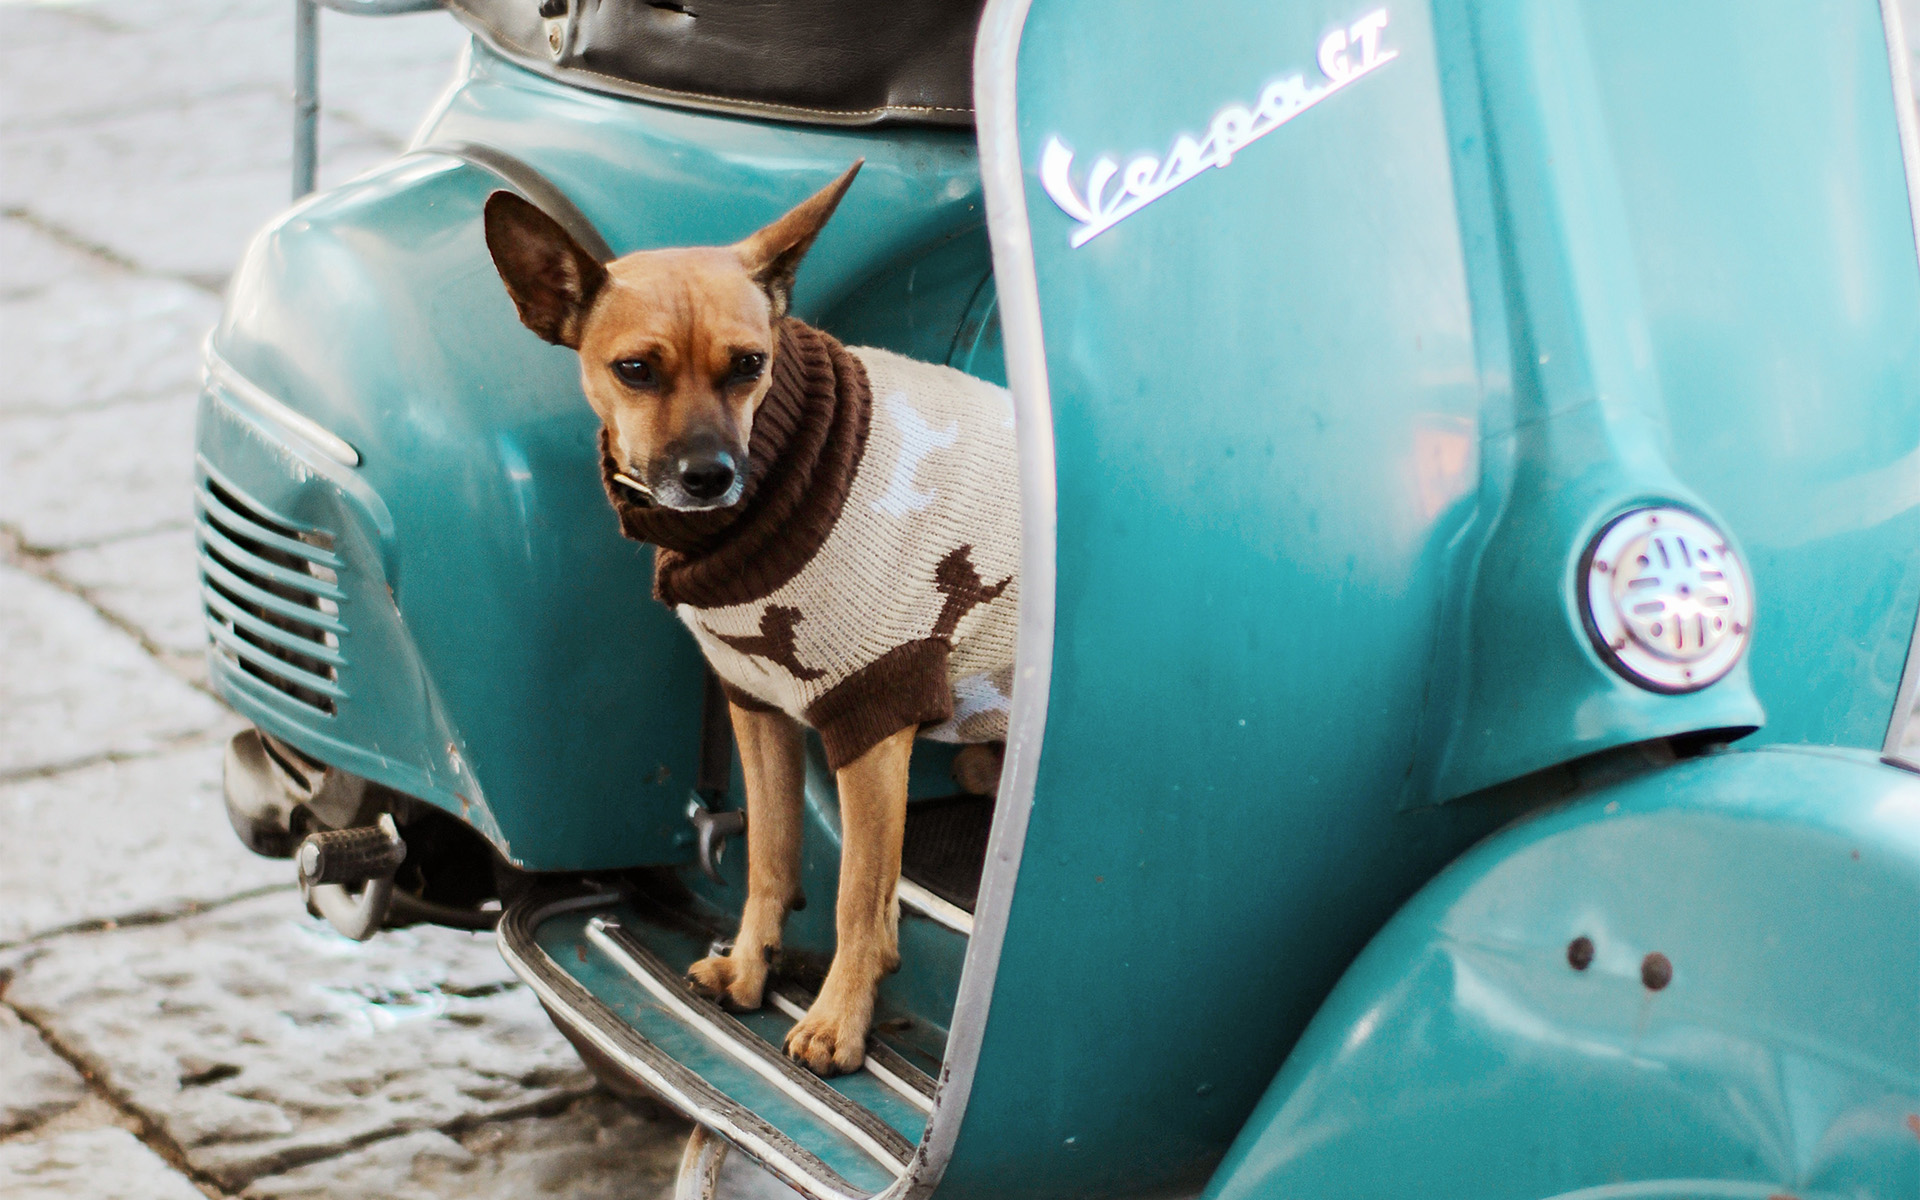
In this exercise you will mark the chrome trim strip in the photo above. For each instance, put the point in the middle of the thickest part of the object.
(592, 1021)
(882, 1061)
(1903, 699)
(881, 1142)
(995, 62)
(932, 907)
(221, 374)
(1907, 119)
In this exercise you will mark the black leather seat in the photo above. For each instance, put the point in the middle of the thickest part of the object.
(839, 62)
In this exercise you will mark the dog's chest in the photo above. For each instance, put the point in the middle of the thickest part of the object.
(924, 552)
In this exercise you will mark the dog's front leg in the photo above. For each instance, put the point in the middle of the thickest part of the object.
(832, 1037)
(772, 756)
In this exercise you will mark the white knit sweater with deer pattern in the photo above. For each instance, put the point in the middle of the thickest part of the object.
(868, 580)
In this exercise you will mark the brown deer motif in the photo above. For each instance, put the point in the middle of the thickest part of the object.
(774, 642)
(957, 579)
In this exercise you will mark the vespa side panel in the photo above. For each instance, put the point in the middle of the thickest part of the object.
(503, 655)
(1760, 171)
(1707, 280)
(1702, 981)
(1266, 396)
(1699, 982)
(1351, 353)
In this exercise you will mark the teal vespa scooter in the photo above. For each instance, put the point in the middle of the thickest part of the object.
(1470, 467)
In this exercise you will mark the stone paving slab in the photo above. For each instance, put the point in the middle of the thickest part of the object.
(86, 340)
(150, 20)
(597, 1149)
(176, 190)
(89, 1164)
(72, 686)
(40, 29)
(181, 163)
(30, 261)
(36, 1085)
(151, 582)
(381, 75)
(139, 54)
(88, 477)
(102, 68)
(124, 841)
(258, 1039)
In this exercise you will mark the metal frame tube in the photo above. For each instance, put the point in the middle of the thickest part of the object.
(306, 95)
(306, 74)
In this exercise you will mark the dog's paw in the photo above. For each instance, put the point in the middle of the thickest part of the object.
(735, 983)
(829, 1040)
(976, 768)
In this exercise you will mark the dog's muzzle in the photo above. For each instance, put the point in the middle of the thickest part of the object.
(699, 473)
(706, 476)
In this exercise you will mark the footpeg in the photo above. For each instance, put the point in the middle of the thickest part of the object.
(334, 861)
(713, 824)
(713, 830)
(351, 856)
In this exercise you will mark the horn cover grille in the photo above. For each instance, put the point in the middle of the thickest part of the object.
(1668, 601)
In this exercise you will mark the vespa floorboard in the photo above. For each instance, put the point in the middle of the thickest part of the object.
(611, 970)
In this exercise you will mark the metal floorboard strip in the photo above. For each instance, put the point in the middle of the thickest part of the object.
(883, 1062)
(586, 1016)
(858, 1124)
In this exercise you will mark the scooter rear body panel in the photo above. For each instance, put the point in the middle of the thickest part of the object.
(1335, 412)
(1695, 983)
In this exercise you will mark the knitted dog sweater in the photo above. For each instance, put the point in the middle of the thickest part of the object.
(868, 578)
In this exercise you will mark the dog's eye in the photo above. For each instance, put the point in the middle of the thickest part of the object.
(634, 372)
(748, 366)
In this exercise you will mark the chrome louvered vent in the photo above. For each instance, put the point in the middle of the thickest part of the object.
(272, 597)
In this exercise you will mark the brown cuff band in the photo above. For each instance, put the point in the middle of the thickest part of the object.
(746, 700)
(906, 686)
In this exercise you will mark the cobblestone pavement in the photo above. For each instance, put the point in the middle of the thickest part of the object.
(172, 1024)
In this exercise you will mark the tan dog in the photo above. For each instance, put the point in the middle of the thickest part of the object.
(676, 351)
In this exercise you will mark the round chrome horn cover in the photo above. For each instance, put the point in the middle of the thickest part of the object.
(1668, 601)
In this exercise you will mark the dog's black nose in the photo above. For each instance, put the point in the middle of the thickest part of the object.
(706, 476)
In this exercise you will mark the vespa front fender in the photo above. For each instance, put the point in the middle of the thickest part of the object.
(1702, 981)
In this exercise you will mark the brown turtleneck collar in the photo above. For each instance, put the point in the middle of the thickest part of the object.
(808, 435)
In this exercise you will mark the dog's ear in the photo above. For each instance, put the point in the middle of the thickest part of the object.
(551, 279)
(773, 255)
